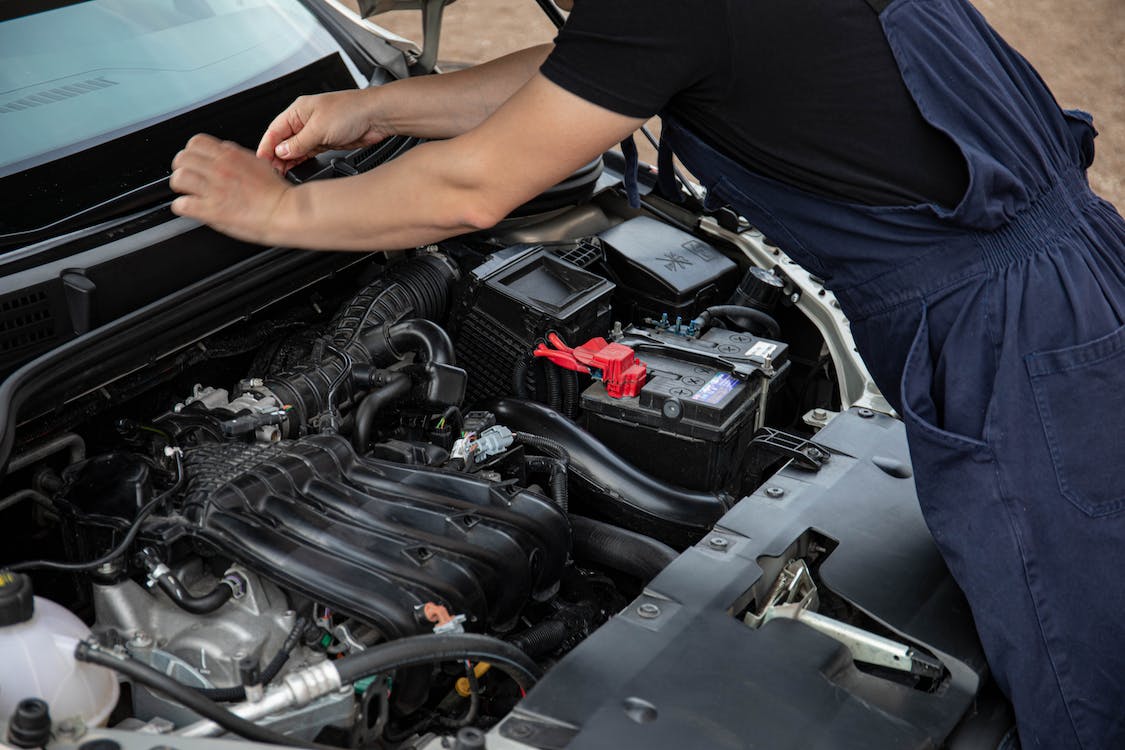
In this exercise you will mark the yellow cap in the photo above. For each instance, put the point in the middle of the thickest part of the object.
(462, 687)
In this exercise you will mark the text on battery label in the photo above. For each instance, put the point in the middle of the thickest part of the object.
(761, 350)
(717, 388)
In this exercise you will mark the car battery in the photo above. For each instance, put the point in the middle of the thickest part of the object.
(702, 400)
(511, 301)
(661, 270)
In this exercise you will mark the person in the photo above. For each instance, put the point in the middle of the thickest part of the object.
(901, 151)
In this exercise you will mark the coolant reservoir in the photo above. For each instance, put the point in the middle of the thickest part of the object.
(37, 640)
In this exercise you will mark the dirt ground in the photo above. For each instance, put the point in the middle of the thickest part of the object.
(1078, 48)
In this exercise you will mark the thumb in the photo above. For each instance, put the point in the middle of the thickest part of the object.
(292, 148)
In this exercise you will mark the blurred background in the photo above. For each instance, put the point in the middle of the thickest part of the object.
(1077, 46)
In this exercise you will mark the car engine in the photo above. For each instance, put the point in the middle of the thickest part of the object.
(508, 434)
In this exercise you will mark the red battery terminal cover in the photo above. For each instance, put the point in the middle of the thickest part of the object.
(621, 372)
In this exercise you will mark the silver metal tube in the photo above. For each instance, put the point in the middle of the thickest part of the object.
(297, 689)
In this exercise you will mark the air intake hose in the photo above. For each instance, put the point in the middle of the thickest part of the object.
(416, 288)
(624, 494)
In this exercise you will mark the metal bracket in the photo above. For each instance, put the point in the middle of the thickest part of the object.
(794, 597)
(805, 454)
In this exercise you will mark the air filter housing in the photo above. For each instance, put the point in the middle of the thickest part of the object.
(512, 300)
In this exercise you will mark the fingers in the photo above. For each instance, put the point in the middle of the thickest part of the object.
(204, 157)
(282, 139)
(277, 131)
(186, 205)
(186, 180)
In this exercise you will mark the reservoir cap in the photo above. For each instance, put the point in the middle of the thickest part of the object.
(17, 601)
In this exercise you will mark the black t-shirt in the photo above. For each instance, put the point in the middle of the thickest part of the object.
(804, 91)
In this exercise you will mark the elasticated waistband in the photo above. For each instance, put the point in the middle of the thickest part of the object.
(1036, 228)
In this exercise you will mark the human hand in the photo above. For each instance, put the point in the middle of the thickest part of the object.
(226, 187)
(314, 124)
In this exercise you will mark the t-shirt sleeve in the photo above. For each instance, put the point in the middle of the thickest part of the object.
(633, 56)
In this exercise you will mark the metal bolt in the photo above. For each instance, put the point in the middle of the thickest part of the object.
(866, 413)
(775, 492)
(820, 414)
(648, 611)
(140, 640)
(517, 730)
(795, 297)
(717, 542)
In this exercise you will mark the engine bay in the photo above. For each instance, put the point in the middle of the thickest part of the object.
(507, 435)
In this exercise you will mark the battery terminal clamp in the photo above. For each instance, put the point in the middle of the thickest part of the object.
(615, 364)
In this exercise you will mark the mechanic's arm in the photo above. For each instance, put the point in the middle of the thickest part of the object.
(437, 190)
(432, 106)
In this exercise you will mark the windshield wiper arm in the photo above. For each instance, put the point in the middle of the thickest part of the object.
(137, 199)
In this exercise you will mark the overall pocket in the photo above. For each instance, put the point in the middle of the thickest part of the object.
(920, 410)
(1080, 394)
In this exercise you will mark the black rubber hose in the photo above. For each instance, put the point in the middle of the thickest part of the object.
(143, 674)
(418, 650)
(395, 388)
(624, 493)
(204, 604)
(237, 693)
(178, 593)
(636, 555)
(542, 639)
(423, 337)
(751, 319)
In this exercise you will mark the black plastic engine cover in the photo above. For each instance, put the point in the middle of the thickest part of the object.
(374, 539)
(678, 668)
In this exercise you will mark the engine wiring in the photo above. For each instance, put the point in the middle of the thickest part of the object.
(123, 546)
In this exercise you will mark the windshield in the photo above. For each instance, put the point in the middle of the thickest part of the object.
(83, 74)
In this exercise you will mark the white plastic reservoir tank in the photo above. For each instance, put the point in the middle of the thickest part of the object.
(37, 640)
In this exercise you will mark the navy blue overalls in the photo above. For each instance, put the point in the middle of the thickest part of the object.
(995, 328)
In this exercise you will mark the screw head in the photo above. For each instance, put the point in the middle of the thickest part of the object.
(141, 640)
(648, 611)
(517, 730)
(775, 492)
(865, 413)
(819, 414)
(718, 542)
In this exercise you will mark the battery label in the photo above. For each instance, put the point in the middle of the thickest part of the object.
(717, 388)
(761, 350)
